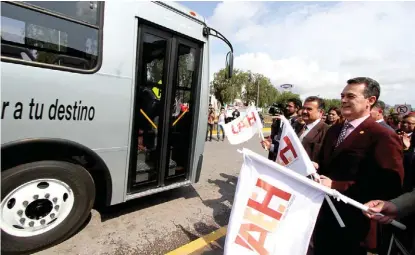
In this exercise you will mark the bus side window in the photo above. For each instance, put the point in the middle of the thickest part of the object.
(64, 35)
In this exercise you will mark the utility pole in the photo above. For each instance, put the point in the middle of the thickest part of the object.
(257, 96)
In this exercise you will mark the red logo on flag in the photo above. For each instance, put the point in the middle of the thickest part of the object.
(248, 121)
(261, 217)
(285, 160)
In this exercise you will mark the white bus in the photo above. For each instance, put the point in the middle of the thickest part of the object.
(101, 104)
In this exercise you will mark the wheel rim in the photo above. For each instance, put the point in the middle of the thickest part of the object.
(36, 207)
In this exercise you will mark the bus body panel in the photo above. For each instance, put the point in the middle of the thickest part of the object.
(107, 133)
(203, 111)
(107, 94)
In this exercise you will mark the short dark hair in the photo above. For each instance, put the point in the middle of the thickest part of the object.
(297, 102)
(320, 101)
(372, 87)
(407, 116)
(396, 118)
(380, 104)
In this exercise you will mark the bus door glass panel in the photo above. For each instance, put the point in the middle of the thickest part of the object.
(149, 105)
(180, 130)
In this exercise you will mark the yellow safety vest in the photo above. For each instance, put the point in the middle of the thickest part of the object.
(156, 91)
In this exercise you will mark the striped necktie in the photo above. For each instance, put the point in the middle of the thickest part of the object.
(342, 135)
(303, 130)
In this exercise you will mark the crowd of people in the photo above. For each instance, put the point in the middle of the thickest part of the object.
(217, 120)
(362, 155)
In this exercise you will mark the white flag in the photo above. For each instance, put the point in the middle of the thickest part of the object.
(244, 127)
(274, 211)
(291, 152)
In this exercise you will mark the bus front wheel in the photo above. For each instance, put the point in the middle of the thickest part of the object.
(43, 203)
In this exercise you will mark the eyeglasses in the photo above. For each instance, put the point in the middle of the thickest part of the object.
(407, 122)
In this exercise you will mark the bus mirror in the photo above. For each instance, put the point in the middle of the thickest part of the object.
(229, 65)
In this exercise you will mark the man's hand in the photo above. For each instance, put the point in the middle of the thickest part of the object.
(388, 209)
(315, 164)
(326, 181)
(266, 144)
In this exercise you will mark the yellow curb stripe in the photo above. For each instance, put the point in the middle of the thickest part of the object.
(199, 243)
(214, 132)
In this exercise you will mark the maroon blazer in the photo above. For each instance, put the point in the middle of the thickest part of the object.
(367, 165)
(370, 157)
(313, 141)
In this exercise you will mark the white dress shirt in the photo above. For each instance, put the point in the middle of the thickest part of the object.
(355, 123)
(308, 127)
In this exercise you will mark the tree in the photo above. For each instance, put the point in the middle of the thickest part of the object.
(226, 90)
(270, 95)
(267, 92)
(331, 103)
(283, 97)
(244, 85)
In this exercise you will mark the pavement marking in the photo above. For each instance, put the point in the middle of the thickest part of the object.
(199, 243)
(214, 132)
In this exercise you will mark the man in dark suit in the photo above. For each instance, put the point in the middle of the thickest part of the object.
(377, 114)
(313, 132)
(360, 159)
(400, 208)
(290, 112)
(406, 133)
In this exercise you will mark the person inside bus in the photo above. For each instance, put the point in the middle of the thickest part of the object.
(149, 103)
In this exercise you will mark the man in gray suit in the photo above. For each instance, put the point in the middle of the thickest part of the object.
(377, 114)
(398, 208)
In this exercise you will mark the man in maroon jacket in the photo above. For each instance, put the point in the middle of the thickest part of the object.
(360, 159)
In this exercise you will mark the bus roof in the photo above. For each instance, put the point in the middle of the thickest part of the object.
(182, 9)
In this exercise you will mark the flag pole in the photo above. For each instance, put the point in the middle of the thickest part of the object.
(362, 207)
(261, 134)
(331, 205)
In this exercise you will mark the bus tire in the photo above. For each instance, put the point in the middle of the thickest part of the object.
(43, 203)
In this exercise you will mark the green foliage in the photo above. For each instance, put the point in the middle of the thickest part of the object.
(259, 88)
(331, 103)
(226, 90)
(245, 85)
(283, 97)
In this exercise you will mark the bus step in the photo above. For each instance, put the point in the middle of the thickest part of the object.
(145, 169)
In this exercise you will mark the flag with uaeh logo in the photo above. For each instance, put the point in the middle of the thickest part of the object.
(291, 152)
(274, 211)
(244, 127)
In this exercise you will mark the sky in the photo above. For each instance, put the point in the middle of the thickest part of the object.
(317, 46)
